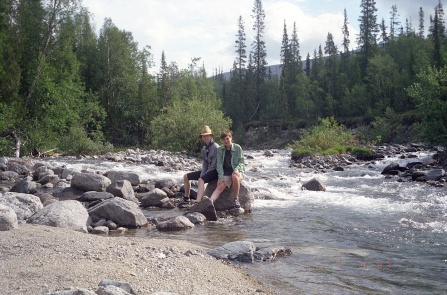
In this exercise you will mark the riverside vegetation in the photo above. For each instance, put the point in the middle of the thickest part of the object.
(65, 89)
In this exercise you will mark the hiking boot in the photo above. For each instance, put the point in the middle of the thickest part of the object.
(237, 205)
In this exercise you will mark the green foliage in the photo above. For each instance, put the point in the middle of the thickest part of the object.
(328, 137)
(178, 127)
(431, 96)
(77, 142)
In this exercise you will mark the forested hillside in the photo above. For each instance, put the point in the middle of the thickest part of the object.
(64, 88)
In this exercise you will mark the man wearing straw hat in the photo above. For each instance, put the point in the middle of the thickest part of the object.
(208, 172)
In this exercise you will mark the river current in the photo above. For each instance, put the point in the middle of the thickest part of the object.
(364, 235)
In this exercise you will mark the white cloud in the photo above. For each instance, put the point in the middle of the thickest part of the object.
(185, 29)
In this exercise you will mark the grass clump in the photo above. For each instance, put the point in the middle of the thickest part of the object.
(326, 138)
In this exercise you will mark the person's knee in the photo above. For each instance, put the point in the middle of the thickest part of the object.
(185, 178)
(201, 182)
(235, 178)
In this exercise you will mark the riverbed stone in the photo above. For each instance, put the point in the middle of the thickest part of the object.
(95, 196)
(313, 185)
(8, 218)
(435, 174)
(174, 224)
(226, 199)
(122, 189)
(68, 193)
(90, 182)
(154, 198)
(242, 251)
(122, 212)
(65, 214)
(205, 207)
(25, 205)
(25, 186)
(132, 177)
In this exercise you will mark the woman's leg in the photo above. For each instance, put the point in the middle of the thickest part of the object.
(200, 189)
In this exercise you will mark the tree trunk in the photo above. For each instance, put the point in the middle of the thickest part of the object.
(16, 136)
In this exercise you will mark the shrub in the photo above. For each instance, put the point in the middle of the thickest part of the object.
(328, 137)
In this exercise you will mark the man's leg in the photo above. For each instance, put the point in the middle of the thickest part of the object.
(236, 179)
(219, 189)
(187, 185)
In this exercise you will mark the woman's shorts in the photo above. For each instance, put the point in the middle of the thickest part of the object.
(209, 176)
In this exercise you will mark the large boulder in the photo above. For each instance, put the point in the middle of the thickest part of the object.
(133, 178)
(90, 182)
(25, 186)
(154, 198)
(122, 212)
(313, 185)
(242, 251)
(8, 218)
(205, 207)
(226, 199)
(95, 196)
(66, 214)
(68, 193)
(176, 223)
(25, 205)
(122, 189)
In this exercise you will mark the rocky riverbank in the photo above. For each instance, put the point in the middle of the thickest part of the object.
(38, 259)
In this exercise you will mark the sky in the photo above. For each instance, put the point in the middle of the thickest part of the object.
(206, 29)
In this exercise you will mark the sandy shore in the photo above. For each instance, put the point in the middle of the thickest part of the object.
(36, 259)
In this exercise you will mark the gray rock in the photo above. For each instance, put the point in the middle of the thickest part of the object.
(435, 174)
(196, 217)
(48, 179)
(90, 182)
(111, 290)
(45, 198)
(68, 193)
(313, 185)
(66, 214)
(122, 212)
(133, 178)
(122, 189)
(169, 183)
(391, 169)
(205, 207)
(176, 223)
(22, 168)
(95, 196)
(226, 199)
(9, 175)
(242, 251)
(8, 218)
(111, 225)
(154, 198)
(72, 292)
(24, 205)
(25, 186)
(68, 173)
(271, 253)
(122, 285)
(100, 230)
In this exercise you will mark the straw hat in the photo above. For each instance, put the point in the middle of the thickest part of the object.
(206, 130)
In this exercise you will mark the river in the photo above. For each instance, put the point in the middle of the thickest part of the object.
(364, 235)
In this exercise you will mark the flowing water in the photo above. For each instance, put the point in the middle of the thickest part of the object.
(364, 235)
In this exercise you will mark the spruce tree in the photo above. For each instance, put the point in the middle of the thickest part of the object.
(345, 32)
(421, 23)
(394, 22)
(367, 38)
(259, 52)
(241, 57)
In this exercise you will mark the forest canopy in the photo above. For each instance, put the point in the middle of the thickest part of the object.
(65, 87)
